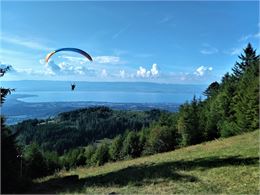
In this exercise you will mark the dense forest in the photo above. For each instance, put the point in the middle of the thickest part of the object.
(82, 127)
(78, 138)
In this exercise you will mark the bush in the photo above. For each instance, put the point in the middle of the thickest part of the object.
(89, 152)
(162, 139)
(101, 155)
(52, 162)
(73, 158)
(36, 165)
(228, 129)
(132, 146)
(115, 149)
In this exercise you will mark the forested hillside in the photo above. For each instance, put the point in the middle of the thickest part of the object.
(82, 127)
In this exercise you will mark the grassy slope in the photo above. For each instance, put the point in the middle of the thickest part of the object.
(222, 166)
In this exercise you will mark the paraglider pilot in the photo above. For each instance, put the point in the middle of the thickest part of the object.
(73, 86)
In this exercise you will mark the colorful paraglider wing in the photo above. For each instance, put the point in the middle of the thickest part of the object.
(69, 49)
(49, 55)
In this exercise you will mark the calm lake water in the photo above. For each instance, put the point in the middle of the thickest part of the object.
(53, 91)
(106, 96)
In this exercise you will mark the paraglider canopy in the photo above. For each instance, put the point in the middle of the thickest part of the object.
(69, 49)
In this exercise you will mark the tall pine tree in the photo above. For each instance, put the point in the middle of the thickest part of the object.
(247, 98)
(247, 59)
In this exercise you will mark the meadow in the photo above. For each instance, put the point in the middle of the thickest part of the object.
(222, 166)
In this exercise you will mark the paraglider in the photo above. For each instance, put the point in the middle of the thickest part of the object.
(69, 49)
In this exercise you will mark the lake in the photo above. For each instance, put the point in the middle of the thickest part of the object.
(114, 92)
(44, 99)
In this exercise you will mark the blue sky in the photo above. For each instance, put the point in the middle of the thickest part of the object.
(166, 42)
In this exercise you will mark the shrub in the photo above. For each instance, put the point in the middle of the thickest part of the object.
(162, 139)
(131, 145)
(228, 129)
(115, 149)
(89, 152)
(101, 155)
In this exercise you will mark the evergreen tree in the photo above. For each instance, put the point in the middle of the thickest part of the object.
(36, 165)
(10, 163)
(115, 149)
(224, 106)
(247, 98)
(162, 139)
(212, 89)
(89, 152)
(247, 58)
(188, 123)
(52, 161)
(101, 155)
(131, 145)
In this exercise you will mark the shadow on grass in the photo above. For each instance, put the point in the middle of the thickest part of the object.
(141, 174)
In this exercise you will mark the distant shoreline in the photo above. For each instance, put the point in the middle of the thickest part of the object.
(16, 110)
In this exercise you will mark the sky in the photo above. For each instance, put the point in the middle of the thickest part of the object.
(190, 42)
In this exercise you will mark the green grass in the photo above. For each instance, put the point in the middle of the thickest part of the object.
(224, 166)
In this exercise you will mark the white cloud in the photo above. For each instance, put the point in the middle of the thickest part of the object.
(204, 75)
(249, 36)
(122, 73)
(63, 68)
(29, 43)
(79, 60)
(107, 59)
(181, 76)
(104, 73)
(202, 70)
(207, 50)
(51, 68)
(143, 73)
(26, 71)
(97, 59)
(257, 35)
(20, 71)
(42, 61)
(154, 70)
(234, 51)
(148, 73)
(72, 65)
